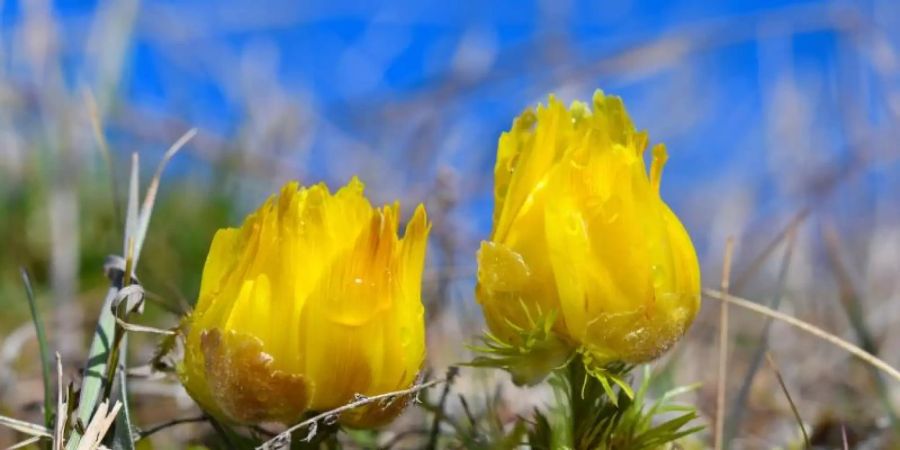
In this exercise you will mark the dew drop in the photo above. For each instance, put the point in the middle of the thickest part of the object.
(573, 224)
(611, 208)
(658, 275)
(405, 336)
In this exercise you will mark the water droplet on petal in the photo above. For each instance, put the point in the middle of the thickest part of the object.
(658, 275)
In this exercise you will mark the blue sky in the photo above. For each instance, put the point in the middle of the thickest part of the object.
(750, 96)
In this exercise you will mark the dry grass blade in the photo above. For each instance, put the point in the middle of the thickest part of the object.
(790, 399)
(142, 434)
(867, 357)
(851, 302)
(25, 427)
(131, 215)
(25, 443)
(757, 262)
(135, 328)
(150, 198)
(97, 129)
(59, 428)
(723, 346)
(98, 426)
(734, 420)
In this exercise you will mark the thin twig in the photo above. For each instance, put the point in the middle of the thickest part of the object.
(25, 443)
(25, 427)
(850, 300)
(62, 408)
(285, 435)
(790, 400)
(135, 328)
(734, 420)
(795, 222)
(807, 327)
(723, 345)
(142, 434)
(150, 198)
(439, 414)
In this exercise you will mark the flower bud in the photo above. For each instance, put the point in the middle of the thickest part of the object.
(580, 231)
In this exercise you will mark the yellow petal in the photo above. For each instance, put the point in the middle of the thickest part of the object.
(314, 292)
(581, 230)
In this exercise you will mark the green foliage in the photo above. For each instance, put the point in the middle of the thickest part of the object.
(595, 420)
(481, 429)
(536, 351)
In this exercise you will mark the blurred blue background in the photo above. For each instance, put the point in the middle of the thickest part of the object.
(765, 97)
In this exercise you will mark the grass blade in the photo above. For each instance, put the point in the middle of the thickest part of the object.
(143, 221)
(851, 302)
(25, 427)
(123, 434)
(25, 443)
(95, 370)
(723, 348)
(854, 350)
(131, 214)
(97, 128)
(734, 420)
(94, 383)
(42, 348)
(790, 399)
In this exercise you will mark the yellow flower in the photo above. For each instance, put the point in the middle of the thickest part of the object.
(580, 231)
(315, 299)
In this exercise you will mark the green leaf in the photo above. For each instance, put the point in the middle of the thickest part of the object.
(96, 368)
(49, 397)
(534, 354)
(604, 413)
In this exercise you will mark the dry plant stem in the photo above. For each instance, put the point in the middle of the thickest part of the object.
(98, 426)
(851, 303)
(439, 414)
(807, 327)
(723, 346)
(757, 262)
(97, 128)
(150, 199)
(25, 427)
(135, 328)
(734, 420)
(162, 426)
(59, 428)
(285, 436)
(790, 399)
(25, 443)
